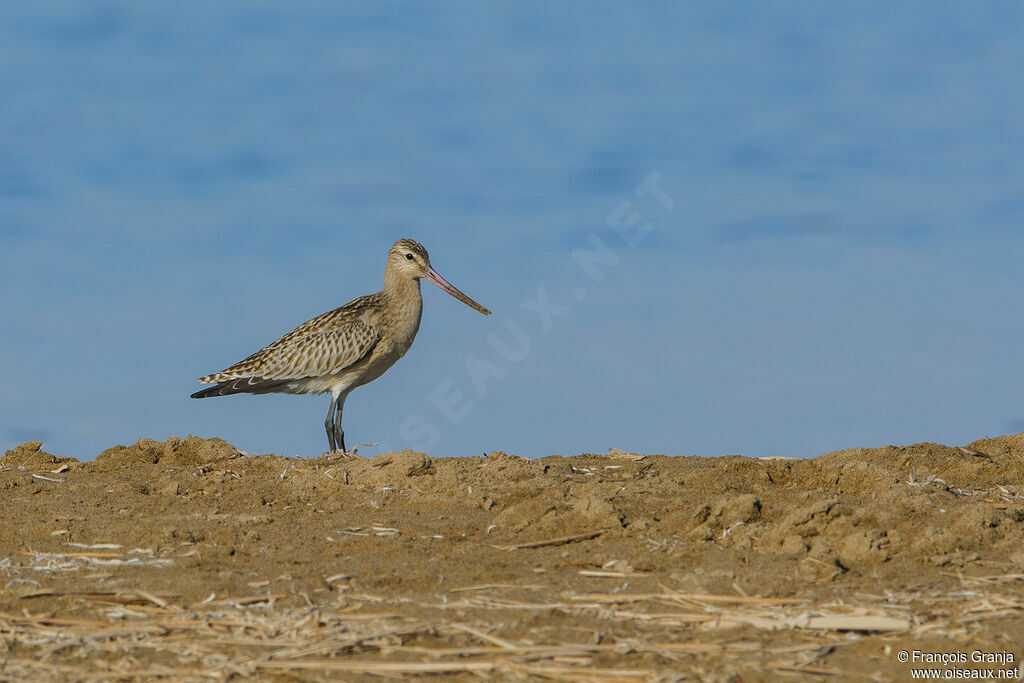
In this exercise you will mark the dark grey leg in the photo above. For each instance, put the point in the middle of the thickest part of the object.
(329, 424)
(339, 435)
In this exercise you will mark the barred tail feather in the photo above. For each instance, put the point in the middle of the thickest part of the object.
(243, 385)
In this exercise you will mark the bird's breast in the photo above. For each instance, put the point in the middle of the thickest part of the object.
(397, 335)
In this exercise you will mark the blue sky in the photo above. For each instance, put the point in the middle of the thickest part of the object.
(181, 185)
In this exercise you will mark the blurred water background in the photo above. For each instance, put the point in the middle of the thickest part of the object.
(841, 265)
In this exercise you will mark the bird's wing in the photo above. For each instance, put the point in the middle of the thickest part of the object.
(309, 351)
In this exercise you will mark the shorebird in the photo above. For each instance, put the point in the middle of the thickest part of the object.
(344, 348)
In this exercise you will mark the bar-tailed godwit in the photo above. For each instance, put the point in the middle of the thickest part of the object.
(344, 348)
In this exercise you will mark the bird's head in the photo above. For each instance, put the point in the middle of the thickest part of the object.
(408, 259)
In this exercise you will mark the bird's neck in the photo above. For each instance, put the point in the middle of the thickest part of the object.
(403, 296)
(400, 287)
(404, 306)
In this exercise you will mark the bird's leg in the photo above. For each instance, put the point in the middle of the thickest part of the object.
(339, 434)
(329, 424)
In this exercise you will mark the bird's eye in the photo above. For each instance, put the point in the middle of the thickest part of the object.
(409, 256)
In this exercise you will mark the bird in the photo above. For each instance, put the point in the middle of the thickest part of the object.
(345, 348)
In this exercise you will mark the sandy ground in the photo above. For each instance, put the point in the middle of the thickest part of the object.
(187, 560)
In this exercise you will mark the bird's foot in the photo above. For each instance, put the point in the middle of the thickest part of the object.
(340, 454)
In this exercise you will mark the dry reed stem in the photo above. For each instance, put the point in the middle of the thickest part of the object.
(259, 636)
(552, 542)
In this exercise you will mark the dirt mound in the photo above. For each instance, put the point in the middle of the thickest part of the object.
(174, 451)
(175, 558)
(30, 455)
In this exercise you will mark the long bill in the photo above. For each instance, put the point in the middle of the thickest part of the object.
(434, 277)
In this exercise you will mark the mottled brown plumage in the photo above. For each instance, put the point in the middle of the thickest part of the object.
(344, 348)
